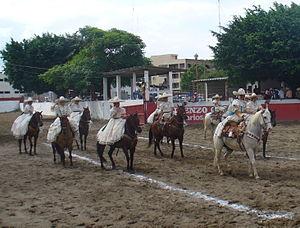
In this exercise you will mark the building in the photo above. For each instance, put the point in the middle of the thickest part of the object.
(7, 92)
(171, 61)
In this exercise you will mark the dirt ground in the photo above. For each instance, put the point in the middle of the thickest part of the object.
(35, 192)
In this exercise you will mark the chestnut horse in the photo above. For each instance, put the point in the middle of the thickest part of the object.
(84, 125)
(64, 141)
(172, 129)
(127, 142)
(33, 131)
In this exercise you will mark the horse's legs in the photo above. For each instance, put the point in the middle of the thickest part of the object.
(20, 145)
(77, 144)
(70, 155)
(127, 157)
(110, 152)
(264, 139)
(34, 144)
(24, 141)
(31, 145)
(173, 147)
(85, 137)
(180, 146)
(158, 146)
(218, 150)
(205, 128)
(132, 150)
(80, 136)
(62, 155)
(251, 157)
(54, 152)
(100, 150)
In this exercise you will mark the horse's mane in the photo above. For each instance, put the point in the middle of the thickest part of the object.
(255, 117)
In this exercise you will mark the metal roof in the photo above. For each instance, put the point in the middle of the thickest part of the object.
(139, 71)
(211, 79)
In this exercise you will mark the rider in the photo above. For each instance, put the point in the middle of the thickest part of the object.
(61, 109)
(235, 112)
(252, 106)
(164, 109)
(217, 108)
(77, 110)
(20, 125)
(114, 130)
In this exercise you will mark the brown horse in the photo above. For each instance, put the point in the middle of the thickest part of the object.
(84, 127)
(33, 131)
(64, 141)
(127, 142)
(173, 129)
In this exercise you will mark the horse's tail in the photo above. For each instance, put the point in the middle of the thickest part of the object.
(150, 137)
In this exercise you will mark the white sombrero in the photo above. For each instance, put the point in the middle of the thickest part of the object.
(247, 96)
(217, 96)
(62, 99)
(240, 92)
(76, 98)
(115, 100)
(164, 95)
(29, 99)
(253, 95)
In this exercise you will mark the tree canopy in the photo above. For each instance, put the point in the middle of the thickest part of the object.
(76, 62)
(261, 45)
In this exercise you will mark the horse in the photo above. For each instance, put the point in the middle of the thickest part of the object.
(266, 133)
(84, 127)
(34, 125)
(127, 142)
(64, 141)
(211, 121)
(249, 141)
(172, 129)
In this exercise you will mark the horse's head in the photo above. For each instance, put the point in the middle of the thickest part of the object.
(181, 113)
(86, 114)
(266, 119)
(133, 122)
(38, 118)
(64, 123)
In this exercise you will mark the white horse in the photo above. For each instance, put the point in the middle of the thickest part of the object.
(250, 140)
(210, 123)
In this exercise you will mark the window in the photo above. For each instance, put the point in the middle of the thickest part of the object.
(175, 85)
(175, 76)
(181, 66)
(17, 91)
(7, 92)
(1, 79)
(6, 79)
(173, 66)
(1, 92)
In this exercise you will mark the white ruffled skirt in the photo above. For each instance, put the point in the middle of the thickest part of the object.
(20, 125)
(112, 132)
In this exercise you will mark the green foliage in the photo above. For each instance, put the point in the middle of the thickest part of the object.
(24, 61)
(261, 45)
(71, 61)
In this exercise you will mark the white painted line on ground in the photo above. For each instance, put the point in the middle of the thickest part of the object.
(210, 148)
(268, 215)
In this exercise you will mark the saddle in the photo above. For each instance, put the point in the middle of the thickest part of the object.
(234, 130)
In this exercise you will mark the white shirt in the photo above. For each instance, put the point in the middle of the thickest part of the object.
(165, 107)
(117, 112)
(62, 110)
(28, 109)
(76, 107)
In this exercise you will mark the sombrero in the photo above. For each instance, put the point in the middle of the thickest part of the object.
(115, 100)
(164, 95)
(29, 99)
(76, 98)
(240, 92)
(217, 96)
(253, 95)
(62, 99)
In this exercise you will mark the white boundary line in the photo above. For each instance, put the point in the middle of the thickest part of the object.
(210, 148)
(268, 215)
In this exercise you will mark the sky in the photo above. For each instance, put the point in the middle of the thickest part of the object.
(180, 27)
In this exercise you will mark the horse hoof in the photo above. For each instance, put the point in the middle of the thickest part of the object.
(221, 173)
(257, 177)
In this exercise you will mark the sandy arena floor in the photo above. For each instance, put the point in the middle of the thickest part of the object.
(35, 192)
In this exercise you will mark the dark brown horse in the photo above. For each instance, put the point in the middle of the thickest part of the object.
(127, 142)
(173, 129)
(84, 125)
(64, 141)
(266, 133)
(33, 131)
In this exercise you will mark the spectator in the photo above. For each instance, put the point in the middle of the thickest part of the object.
(298, 93)
(267, 95)
(281, 93)
(289, 93)
(256, 90)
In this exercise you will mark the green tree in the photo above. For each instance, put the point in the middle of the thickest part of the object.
(24, 61)
(102, 51)
(261, 45)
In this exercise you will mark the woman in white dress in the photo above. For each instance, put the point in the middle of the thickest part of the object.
(164, 108)
(76, 111)
(61, 109)
(20, 125)
(114, 130)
